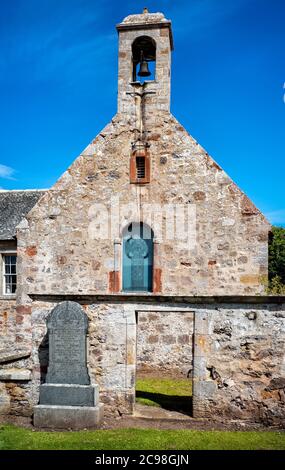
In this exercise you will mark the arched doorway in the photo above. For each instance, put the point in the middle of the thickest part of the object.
(137, 258)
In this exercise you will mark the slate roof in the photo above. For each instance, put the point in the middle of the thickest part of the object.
(14, 205)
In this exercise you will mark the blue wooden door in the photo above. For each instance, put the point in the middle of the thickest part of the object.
(137, 259)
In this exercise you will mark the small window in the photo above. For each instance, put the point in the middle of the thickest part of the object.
(140, 165)
(9, 274)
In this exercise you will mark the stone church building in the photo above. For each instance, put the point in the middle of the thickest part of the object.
(161, 250)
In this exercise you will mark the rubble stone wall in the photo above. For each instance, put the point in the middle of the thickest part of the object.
(8, 321)
(239, 364)
(15, 365)
(239, 356)
(165, 343)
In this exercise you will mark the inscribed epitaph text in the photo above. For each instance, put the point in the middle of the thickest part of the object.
(67, 329)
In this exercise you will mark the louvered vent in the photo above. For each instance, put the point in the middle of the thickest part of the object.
(140, 162)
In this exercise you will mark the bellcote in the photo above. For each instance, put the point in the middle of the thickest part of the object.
(145, 44)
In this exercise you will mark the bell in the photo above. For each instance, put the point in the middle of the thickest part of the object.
(144, 71)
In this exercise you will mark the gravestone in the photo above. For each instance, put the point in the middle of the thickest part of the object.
(67, 330)
(67, 399)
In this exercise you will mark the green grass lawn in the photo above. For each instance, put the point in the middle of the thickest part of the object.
(172, 394)
(166, 393)
(15, 438)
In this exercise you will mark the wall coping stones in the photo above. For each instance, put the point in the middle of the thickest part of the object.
(150, 298)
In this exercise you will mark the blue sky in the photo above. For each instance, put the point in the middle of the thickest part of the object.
(58, 85)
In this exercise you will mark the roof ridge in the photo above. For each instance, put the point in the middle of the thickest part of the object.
(21, 190)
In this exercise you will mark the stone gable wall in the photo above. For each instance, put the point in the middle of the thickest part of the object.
(58, 252)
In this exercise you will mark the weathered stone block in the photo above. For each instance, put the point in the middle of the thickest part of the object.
(14, 374)
(204, 389)
(68, 417)
(4, 400)
(7, 356)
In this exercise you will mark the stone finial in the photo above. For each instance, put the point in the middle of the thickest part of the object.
(144, 18)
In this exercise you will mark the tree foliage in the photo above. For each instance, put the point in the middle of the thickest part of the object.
(277, 261)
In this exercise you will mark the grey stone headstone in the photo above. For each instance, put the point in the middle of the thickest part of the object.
(67, 329)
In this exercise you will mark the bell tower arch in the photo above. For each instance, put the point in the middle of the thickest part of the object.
(145, 45)
(144, 58)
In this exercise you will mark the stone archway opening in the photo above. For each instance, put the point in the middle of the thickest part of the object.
(164, 363)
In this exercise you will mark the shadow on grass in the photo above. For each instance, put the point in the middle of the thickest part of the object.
(182, 404)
